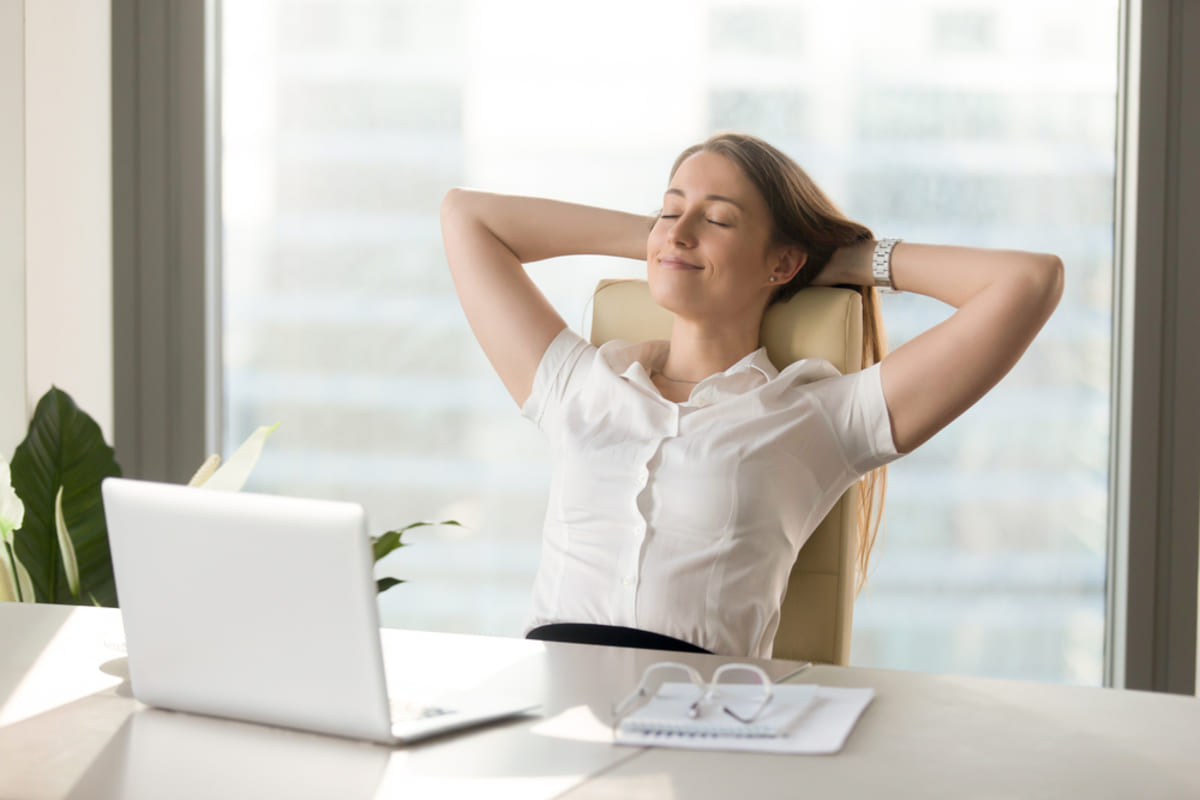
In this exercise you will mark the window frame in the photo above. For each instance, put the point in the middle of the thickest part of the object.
(166, 236)
(1155, 452)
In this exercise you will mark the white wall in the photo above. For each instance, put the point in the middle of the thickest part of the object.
(67, 204)
(12, 226)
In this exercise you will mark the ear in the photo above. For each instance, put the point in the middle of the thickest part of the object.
(788, 261)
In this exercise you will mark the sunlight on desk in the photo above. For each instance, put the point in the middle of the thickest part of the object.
(158, 754)
(502, 761)
(55, 677)
(579, 724)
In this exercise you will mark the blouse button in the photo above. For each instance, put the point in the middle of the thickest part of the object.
(628, 580)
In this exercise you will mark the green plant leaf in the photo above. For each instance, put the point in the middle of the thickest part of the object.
(382, 545)
(387, 542)
(64, 447)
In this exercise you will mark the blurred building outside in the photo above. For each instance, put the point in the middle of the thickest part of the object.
(986, 123)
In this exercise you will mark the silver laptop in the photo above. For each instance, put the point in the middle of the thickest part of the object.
(263, 608)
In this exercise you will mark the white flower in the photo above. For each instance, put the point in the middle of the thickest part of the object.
(232, 475)
(8, 584)
(14, 578)
(12, 510)
(206, 470)
(65, 546)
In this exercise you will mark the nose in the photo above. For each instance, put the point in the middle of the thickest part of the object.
(682, 231)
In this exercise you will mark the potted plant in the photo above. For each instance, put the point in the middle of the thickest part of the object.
(53, 536)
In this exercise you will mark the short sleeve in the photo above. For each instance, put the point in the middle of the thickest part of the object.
(855, 407)
(553, 376)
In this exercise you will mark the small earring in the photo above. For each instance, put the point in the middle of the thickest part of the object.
(772, 279)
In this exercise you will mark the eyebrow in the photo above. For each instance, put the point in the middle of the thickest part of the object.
(722, 198)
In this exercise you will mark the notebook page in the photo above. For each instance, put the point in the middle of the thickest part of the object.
(821, 727)
(667, 711)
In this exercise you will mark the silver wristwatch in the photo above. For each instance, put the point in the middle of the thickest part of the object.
(881, 264)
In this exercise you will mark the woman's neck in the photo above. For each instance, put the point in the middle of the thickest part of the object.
(700, 351)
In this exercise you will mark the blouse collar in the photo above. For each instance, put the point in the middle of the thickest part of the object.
(635, 361)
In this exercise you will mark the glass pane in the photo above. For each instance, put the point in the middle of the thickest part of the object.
(989, 123)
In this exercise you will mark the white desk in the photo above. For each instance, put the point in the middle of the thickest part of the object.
(68, 728)
(928, 736)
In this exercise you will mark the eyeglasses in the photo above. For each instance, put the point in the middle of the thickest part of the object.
(743, 706)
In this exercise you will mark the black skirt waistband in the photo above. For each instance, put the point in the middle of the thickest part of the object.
(616, 635)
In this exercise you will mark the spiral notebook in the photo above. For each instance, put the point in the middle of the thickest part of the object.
(799, 719)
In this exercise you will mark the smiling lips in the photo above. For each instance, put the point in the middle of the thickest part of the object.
(675, 262)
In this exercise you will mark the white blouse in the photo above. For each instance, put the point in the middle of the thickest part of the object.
(685, 518)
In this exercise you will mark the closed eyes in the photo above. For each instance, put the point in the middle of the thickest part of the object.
(710, 221)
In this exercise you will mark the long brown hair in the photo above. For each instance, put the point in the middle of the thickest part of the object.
(805, 217)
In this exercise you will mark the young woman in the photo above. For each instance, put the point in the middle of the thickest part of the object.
(689, 473)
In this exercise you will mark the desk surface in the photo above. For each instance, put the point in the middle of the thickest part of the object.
(69, 728)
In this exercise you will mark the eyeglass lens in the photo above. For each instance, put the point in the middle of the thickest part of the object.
(742, 690)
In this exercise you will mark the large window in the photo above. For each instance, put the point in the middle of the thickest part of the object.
(988, 123)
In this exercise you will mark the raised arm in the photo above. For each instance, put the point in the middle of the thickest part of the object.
(1003, 297)
(487, 239)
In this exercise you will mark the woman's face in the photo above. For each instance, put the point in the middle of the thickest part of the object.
(709, 255)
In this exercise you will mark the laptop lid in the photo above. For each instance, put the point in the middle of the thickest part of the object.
(249, 606)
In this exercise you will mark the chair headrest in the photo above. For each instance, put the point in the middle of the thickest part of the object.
(818, 322)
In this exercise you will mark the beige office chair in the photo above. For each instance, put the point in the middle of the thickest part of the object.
(819, 322)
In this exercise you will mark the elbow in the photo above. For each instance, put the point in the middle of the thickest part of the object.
(1053, 277)
(1042, 279)
(461, 212)
(453, 204)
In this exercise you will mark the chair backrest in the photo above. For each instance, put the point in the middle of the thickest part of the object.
(819, 322)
